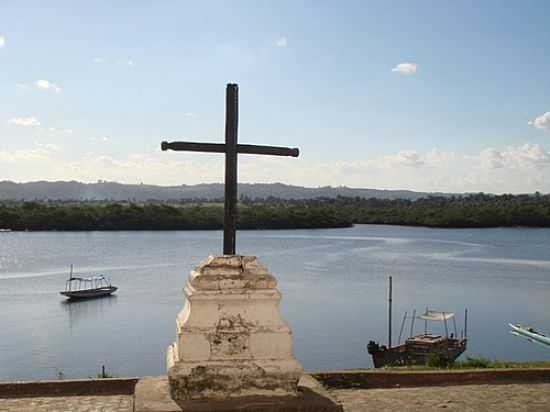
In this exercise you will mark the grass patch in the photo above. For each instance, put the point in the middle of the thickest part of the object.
(436, 362)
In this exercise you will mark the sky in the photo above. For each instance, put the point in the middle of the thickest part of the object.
(439, 95)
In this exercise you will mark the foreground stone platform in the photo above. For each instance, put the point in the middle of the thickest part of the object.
(529, 392)
(463, 398)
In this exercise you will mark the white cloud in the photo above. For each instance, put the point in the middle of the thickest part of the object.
(2, 41)
(126, 62)
(101, 139)
(30, 121)
(47, 85)
(48, 147)
(405, 68)
(281, 42)
(408, 158)
(40, 153)
(98, 60)
(542, 121)
(527, 156)
(190, 114)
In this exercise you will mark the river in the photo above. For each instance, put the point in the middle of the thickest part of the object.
(334, 285)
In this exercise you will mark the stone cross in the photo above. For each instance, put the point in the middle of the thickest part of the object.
(231, 149)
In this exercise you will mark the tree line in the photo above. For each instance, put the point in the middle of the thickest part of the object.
(38, 215)
(468, 211)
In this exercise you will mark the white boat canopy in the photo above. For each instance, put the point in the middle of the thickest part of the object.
(435, 315)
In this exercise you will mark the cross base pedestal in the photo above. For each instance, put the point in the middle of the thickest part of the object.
(231, 341)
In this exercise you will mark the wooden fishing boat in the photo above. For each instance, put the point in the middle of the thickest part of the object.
(417, 348)
(530, 334)
(87, 287)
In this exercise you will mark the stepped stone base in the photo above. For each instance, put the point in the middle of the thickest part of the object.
(231, 341)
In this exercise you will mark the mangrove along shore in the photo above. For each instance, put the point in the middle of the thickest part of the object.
(472, 211)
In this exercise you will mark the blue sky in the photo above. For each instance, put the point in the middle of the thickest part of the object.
(424, 95)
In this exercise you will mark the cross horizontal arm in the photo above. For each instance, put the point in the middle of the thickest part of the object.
(268, 150)
(220, 148)
(193, 147)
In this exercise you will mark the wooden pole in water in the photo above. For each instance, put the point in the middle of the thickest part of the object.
(389, 315)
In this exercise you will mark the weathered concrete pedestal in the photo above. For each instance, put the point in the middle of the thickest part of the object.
(231, 341)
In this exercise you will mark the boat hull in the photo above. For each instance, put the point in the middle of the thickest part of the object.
(530, 334)
(89, 293)
(415, 353)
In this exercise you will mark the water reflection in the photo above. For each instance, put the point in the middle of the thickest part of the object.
(88, 310)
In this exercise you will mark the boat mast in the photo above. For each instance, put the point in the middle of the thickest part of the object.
(389, 314)
(426, 323)
(466, 323)
(401, 330)
(412, 322)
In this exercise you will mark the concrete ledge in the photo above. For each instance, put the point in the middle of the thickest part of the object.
(69, 387)
(371, 379)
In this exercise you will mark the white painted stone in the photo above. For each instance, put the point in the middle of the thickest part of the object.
(231, 340)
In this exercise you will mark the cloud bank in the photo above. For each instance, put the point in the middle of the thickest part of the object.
(513, 169)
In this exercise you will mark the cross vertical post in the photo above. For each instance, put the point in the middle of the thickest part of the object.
(231, 148)
(230, 200)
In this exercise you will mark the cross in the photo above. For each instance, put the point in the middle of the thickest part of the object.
(231, 148)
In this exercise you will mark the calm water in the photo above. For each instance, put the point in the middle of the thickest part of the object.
(334, 285)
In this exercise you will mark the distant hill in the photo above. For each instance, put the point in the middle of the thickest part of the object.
(117, 191)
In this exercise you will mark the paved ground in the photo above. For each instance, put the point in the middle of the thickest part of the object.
(117, 403)
(486, 398)
(502, 398)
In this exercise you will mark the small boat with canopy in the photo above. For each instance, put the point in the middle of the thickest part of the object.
(87, 287)
(417, 348)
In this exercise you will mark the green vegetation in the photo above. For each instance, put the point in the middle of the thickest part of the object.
(472, 211)
(484, 363)
(160, 216)
(440, 361)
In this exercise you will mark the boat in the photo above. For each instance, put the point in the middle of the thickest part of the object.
(87, 287)
(418, 348)
(530, 334)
